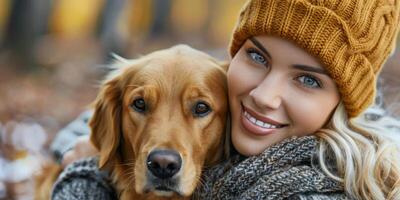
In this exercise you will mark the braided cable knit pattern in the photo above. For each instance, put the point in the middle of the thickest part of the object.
(282, 171)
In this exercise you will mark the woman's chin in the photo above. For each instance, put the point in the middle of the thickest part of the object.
(246, 146)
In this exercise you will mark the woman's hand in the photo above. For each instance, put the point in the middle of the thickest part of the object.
(82, 149)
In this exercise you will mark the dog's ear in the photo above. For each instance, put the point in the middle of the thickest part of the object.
(106, 121)
(224, 65)
(222, 150)
(216, 157)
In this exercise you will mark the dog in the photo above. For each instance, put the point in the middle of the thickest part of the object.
(159, 121)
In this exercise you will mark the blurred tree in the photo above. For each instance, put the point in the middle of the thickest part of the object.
(27, 22)
(4, 14)
(107, 28)
(161, 12)
(75, 19)
(221, 20)
(189, 17)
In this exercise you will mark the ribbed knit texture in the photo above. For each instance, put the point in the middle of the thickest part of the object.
(285, 170)
(82, 180)
(351, 38)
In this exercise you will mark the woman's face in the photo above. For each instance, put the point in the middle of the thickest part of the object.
(276, 90)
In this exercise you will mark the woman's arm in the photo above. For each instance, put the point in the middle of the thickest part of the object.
(83, 180)
(72, 142)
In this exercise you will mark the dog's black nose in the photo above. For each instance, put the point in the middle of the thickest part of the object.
(164, 163)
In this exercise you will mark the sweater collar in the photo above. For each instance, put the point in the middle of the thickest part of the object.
(284, 169)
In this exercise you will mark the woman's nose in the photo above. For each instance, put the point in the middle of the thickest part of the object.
(267, 95)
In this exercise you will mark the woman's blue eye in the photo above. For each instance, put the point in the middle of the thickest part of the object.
(309, 81)
(257, 57)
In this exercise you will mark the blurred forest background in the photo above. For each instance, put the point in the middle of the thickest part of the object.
(53, 53)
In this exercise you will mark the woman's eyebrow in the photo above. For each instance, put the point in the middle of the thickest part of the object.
(301, 67)
(311, 69)
(260, 46)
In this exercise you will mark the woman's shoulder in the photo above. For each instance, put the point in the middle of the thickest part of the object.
(83, 180)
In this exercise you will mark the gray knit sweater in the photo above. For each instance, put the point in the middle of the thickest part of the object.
(83, 180)
(287, 170)
(283, 171)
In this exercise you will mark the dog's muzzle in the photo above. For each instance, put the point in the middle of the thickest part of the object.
(163, 167)
(164, 164)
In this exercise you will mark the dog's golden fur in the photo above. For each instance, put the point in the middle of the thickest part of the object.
(171, 82)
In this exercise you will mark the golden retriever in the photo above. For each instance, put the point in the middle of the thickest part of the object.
(159, 120)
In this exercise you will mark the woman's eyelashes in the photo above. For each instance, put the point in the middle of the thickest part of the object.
(305, 80)
(309, 81)
(256, 56)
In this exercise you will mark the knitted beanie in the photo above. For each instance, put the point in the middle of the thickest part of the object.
(351, 38)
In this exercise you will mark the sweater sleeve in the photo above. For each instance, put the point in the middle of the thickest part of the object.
(83, 180)
(67, 137)
(81, 188)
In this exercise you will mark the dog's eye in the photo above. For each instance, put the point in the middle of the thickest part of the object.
(139, 105)
(201, 109)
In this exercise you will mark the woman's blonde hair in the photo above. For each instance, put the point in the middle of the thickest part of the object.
(365, 154)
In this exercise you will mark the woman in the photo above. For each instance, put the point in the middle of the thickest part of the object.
(301, 76)
(309, 68)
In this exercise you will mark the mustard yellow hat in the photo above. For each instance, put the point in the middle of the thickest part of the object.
(351, 38)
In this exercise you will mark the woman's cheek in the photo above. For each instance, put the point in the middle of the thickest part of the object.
(308, 113)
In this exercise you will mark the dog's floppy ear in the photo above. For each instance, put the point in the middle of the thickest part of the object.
(224, 65)
(106, 121)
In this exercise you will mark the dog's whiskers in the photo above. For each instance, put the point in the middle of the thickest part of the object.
(131, 177)
(202, 185)
(199, 182)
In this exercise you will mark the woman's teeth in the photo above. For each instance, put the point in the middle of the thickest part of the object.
(258, 122)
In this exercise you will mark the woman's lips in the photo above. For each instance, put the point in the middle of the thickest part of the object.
(255, 125)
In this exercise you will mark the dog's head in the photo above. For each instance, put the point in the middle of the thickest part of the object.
(160, 119)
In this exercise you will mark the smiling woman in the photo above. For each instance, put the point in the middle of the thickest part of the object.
(302, 75)
(276, 90)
